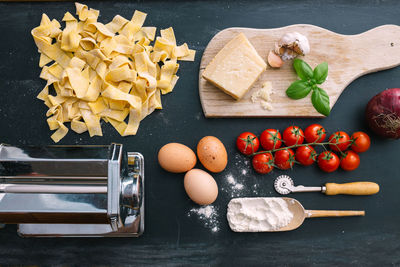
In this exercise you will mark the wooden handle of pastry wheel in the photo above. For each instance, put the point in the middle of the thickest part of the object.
(333, 213)
(356, 188)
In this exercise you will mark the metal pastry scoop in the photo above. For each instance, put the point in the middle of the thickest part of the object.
(285, 185)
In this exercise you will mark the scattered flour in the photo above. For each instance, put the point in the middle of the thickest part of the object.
(206, 212)
(230, 179)
(208, 215)
(238, 187)
(234, 182)
(255, 189)
(198, 116)
(234, 186)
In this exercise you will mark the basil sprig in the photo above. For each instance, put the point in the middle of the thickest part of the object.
(309, 79)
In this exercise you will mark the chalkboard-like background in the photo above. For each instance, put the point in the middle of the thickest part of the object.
(171, 237)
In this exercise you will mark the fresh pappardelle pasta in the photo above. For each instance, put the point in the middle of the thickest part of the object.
(115, 71)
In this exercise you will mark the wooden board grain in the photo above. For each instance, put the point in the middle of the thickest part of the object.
(348, 57)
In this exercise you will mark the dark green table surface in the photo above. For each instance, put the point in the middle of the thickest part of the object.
(171, 237)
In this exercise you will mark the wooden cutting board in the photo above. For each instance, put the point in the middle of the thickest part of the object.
(348, 57)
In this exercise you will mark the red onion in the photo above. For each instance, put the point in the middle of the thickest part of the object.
(383, 113)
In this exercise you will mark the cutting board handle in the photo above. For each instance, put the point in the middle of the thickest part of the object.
(374, 50)
(356, 188)
(333, 213)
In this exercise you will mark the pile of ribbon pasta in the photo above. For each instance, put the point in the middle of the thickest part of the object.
(104, 71)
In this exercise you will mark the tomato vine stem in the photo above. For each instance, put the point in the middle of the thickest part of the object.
(299, 145)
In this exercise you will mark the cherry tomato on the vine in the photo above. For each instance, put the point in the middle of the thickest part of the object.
(270, 139)
(340, 141)
(328, 161)
(263, 163)
(360, 142)
(350, 162)
(293, 135)
(306, 155)
(247, 143)
(284, 159)
(315, 133)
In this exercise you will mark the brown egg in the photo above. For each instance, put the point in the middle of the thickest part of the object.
(200, 187)
(212, 154)
(177, 158)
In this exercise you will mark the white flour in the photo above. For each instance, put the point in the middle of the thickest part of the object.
(258, 214)
(238, 187)
(208, 216)
(234, 187)
(255, 189)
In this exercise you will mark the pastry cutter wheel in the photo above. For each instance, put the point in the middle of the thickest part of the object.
(285, 185)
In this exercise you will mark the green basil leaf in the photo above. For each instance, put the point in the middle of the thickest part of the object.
(320, 73)
(298, 89)
(303, 70)
(320, 101)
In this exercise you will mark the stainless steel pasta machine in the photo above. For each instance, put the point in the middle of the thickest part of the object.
(72, 190)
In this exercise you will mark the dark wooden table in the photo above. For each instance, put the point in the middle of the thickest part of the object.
(171, 237)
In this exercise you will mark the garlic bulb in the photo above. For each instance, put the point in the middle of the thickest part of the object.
(291, 45)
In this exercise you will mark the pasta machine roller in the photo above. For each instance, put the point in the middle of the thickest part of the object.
(72, 190)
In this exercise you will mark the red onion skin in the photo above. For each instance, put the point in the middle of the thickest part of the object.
(383, 113)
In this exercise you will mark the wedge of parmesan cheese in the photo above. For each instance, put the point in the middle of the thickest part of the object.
(236, 67)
